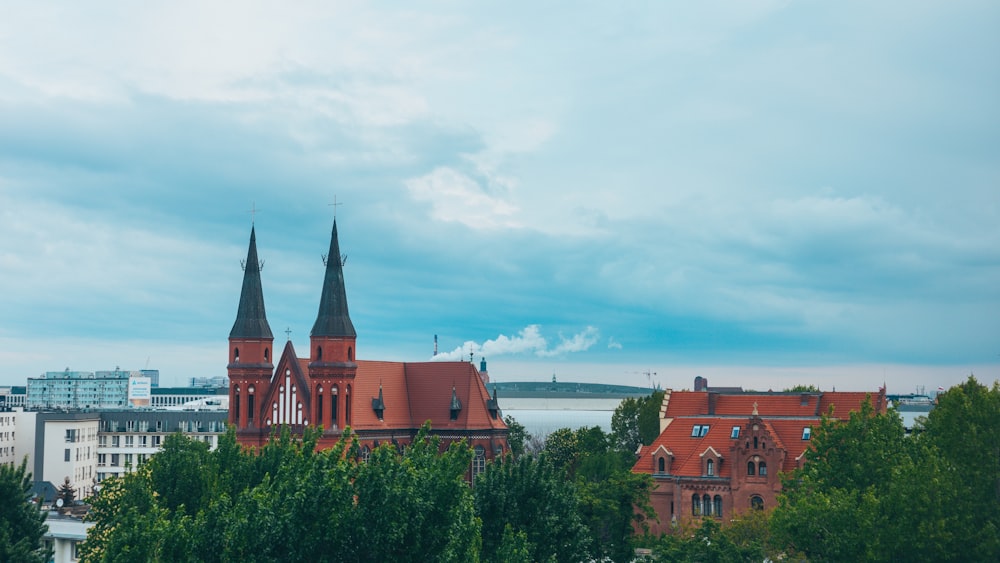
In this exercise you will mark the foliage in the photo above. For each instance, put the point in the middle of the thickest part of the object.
(866, 492)
(22, 523)
(67, 493)
(708, 543)
(517, 436)
(612, 499)
(289, 502)
(527, 504)
(962, 433)
(803, 389)
(636, 421)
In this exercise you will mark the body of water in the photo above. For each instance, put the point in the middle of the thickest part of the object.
(541, 423)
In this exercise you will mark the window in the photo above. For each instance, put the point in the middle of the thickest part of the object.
(156, 441)
(75, 555)
(66, 455)
(735, 433)
(103, 441)
(115, 441)
(762, 468)
(806, 433)
(102, 460)
(143, 441)
(699, 430)
(661, 465)
(250, 408)
(115, 460)
(478, 462)
(706, 505)
(710, 468)
(756, 502)
(366, 453)
(696, 505)
(755, 442)
(751, 468)
(129, 441)
(717, 501)
(319, 407)
(128, 460)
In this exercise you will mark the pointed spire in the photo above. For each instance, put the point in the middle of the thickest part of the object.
(333, 319)
(251, 320)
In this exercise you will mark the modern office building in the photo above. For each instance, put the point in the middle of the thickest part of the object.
(87, 390)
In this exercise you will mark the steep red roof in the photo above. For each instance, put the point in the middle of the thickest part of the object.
(785, 415)
(414, 393)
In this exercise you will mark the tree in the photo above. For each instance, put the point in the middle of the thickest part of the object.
(636, 421)
(962, 434)
(517, 436)
(289, 502)
(22, 523)
(527, 504)
(66, 493)
(803, 389)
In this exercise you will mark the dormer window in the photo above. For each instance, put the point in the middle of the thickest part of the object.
(378, 405)
(710, 468)
(806, 433)
(699, 430)
(456, 404)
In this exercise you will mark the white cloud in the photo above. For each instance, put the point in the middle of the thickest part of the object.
(454, 197)
(528, 341)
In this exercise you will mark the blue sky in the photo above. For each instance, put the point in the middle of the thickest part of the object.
(765, 193)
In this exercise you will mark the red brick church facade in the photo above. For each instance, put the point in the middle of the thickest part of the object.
(382, 402)
(720, 453)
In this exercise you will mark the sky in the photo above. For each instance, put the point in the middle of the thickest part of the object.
(762, 193)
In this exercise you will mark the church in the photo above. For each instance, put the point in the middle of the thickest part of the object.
(382, 402)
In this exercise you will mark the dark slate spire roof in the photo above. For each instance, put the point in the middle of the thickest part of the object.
(251, 321)
(333, 319)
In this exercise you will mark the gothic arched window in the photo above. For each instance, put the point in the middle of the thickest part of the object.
(751, 468)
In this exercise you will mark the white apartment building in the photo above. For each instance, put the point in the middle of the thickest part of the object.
(127, 439)
(8, 432)
(59, 445)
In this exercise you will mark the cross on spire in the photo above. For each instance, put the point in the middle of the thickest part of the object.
(288, 333)
(253, 211)
(334, 206)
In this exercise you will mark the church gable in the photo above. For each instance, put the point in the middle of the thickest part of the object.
(287, 401)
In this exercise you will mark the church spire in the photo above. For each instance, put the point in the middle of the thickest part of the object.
(251, 320)
(333, 319)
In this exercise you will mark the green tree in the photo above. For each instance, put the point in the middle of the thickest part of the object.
(803, 389)
(962, 435)
(636, 421)
(527, 503)
(289, 502)
(22, 523)
(517, 436)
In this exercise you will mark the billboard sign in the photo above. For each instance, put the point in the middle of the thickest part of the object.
(139, 391)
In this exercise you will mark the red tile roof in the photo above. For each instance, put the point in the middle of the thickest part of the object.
(783, 414)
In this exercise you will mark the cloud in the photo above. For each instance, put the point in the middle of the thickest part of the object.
(455, 197)
(528, 341)
(614, 344)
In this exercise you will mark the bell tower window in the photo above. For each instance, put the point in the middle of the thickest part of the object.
(319, 353)
(236, 355)
(266, 355)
